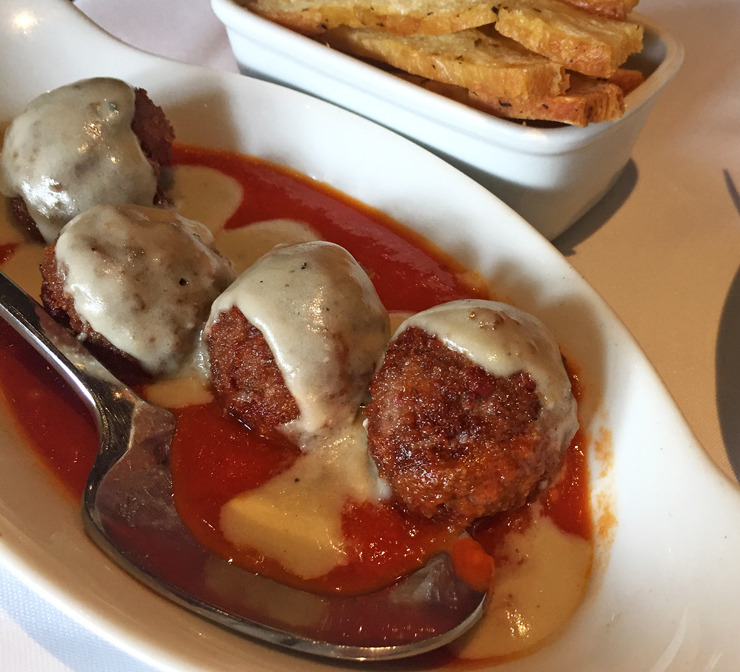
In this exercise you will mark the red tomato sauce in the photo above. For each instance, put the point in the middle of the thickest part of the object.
(214, 458)
(53, 418)
(407, 271)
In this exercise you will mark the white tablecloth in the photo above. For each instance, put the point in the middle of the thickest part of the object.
(663, 249)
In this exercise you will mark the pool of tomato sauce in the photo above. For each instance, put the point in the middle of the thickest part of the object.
(215, 458)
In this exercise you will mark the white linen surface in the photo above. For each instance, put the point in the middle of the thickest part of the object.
(183, 30)
(36, 637)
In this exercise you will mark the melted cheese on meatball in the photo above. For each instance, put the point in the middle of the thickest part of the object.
(73, 148)
(327, 330)
(504, 340)
(144, 278)
(324, 323)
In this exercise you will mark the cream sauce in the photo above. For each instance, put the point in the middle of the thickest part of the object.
(73, 148)
(296, 518)
(533, 595)
(243, 246)
(144, 278)
(324, 323)
(205, 195)
(188, 388)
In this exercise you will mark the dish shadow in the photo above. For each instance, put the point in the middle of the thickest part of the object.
(727, 359)
(600, 213)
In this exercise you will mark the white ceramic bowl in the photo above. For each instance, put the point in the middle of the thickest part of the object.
(549, 176)
(663, 596)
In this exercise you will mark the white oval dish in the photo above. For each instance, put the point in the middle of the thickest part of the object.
(664, 591)
(550, 176)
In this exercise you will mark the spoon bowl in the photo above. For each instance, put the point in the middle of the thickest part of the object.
(128, 510)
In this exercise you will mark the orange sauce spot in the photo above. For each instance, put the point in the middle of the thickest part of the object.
(472, 564)
(7, 251)
(604, 451)
(607, 521)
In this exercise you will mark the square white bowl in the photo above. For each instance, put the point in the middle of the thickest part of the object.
(550, 176)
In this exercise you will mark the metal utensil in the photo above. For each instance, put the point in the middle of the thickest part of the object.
(128, 511)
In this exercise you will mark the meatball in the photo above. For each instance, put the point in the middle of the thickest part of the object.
(294, 342)
(244, 372)
(94, 142)
(471, 410)
(136, 283)
(60, 305)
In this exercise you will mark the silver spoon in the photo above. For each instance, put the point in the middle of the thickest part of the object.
(128, 511)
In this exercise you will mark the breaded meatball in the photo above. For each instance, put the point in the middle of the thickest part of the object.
(60, 305)
(306, 322)
(244, 372)
(471, 410)
(94, 142)
(154, 131)
(135, 282)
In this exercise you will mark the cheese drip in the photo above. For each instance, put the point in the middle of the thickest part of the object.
(73, 148)
(534, 593)
(296, 518)
(144, 278)
(324, 323)
(327, 330)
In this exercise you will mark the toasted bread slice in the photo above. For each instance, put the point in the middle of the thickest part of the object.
(427, 17)
(587, 101)
(611, 9)
(589, 44)
(627, 80)
(494, 66)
